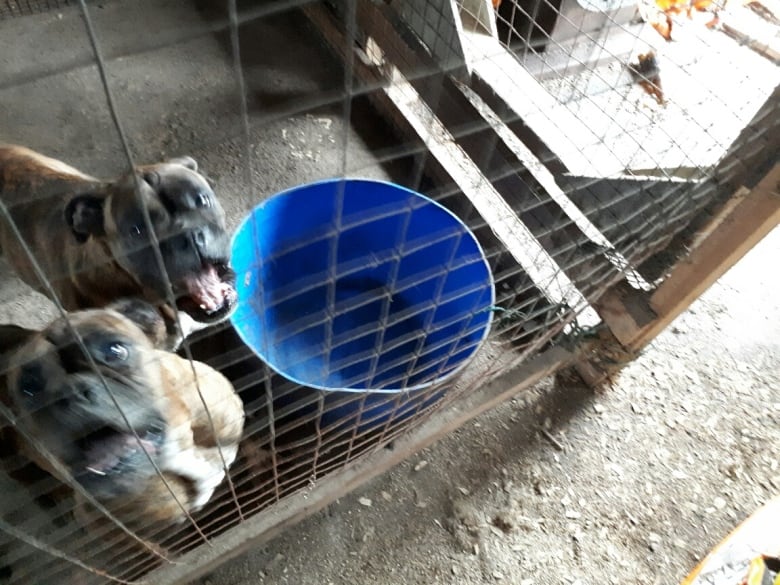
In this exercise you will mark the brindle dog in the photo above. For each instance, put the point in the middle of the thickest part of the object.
(91, 241)
(104, 417)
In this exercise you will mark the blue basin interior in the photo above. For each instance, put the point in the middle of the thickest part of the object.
(360, 285)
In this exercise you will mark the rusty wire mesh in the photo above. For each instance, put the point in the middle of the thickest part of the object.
(11, 8)
(570, 175)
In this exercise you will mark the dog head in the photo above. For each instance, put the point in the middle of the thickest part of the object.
(189, 224)
(101, 413)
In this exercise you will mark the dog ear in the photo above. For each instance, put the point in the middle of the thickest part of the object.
(12, 336)
(84, 215)
(145, 315)
(185, 161)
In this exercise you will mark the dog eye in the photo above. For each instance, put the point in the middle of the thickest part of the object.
(114, 352)
(202, 200)
(30, 384)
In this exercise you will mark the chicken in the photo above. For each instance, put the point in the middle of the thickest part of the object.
(658, 13)
(647, 74)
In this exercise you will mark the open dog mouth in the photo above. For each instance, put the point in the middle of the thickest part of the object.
(209, 295)
(108, 451)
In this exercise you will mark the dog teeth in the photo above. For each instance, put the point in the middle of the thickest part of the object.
(96, 471)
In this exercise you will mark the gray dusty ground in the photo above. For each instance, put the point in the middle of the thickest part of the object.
(655, 471)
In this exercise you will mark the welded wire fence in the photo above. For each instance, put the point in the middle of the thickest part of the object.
(572, 161)
(11, 8)
(643, 100)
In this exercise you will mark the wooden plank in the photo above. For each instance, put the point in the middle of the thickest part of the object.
(570, 138)
(370, 70)
(592, 375)
(373, 68)
(755, 536)
(750, 29)
(547, 181)
(717, 220)
(404, 49)
(745, 225)
(540, 266)
(479, 16)
(288, 512)
(625, 311)
(600, 358)
(636, 318)
(515, 236)
(437, 24)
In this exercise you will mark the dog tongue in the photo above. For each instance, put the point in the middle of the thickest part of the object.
(104, 454)
(207, 290)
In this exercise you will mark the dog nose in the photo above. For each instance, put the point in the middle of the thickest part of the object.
(199, 237)
(76, 394)
(87, 394)
(192, 239)
(81, 391)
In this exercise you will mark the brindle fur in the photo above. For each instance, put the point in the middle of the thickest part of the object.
(44, 195)
(159, 384)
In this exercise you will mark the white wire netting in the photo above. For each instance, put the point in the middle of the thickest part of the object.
(573, 162)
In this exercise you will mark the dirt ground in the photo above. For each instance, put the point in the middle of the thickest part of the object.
(654, 470)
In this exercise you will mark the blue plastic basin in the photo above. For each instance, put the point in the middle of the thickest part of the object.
(359, 285)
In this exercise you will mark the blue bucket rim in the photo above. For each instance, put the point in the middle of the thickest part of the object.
(431, 384)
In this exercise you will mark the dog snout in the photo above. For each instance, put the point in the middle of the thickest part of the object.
(189, 240)
(199, 238)
(85, 397)
(70, 354)
(86, 394)
(77, 393)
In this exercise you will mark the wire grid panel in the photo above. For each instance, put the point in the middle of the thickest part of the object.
(637, 124)
(490, 184)
(11, 8)
(436, 24)
(260, 127)
(66, 525)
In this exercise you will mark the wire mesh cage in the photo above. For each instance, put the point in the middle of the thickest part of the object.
(11, 8)
(476, 176)
(639, 101)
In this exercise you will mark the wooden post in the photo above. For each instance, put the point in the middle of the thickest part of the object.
(636, 318)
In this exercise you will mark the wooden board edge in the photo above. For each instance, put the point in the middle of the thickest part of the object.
(753, 526)
(636, 318)
(291, 510)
